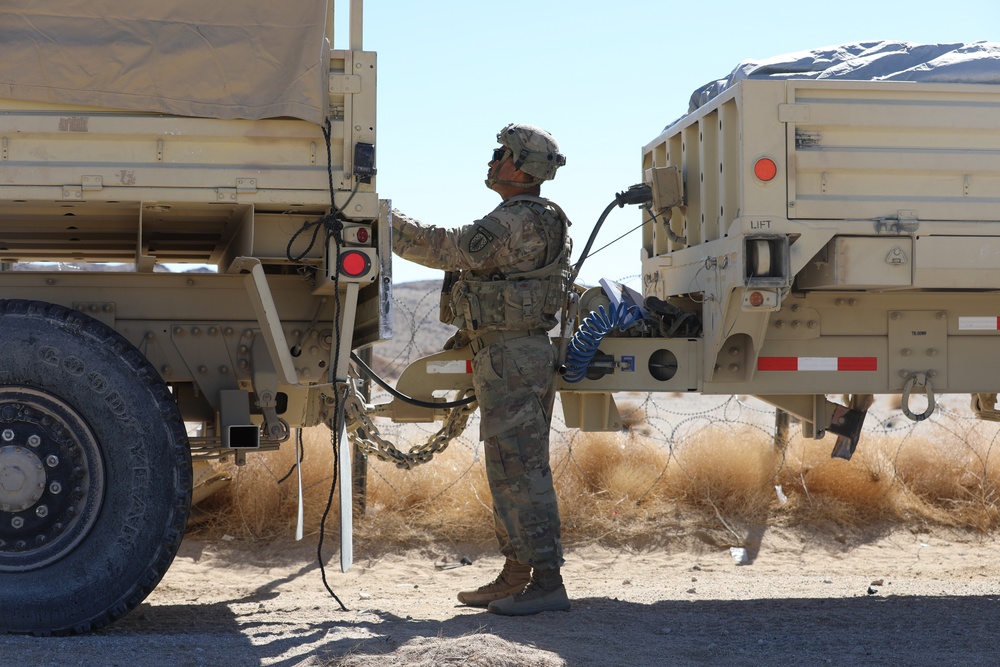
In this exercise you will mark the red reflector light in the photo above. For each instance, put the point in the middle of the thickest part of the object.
(765, 169)
(353, 263)
(363, 235)
(756, 299)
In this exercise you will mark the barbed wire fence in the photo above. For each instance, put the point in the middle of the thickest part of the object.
(672, 421)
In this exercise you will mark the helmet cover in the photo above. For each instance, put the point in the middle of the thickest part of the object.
(533, 150)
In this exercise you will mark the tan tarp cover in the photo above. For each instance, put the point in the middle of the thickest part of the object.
(210, 58)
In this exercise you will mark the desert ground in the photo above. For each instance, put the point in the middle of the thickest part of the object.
(822, 597)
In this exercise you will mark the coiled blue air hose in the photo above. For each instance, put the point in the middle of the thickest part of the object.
(594, 327)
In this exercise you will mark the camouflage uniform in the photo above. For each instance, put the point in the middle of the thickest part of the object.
(513, 269)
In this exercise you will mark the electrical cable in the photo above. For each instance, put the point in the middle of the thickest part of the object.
(590, 242)
(329, 223)
(639, 193)
(652, 218)
(611, 243)
(333, 229)
(403, 397)
(592, 331)
(594, 327)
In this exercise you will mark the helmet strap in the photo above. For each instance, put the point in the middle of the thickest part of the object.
(490, 182)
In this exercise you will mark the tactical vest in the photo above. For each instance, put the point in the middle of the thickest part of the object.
(516, 301)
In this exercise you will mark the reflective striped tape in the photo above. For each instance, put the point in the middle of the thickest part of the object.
(978, 323)
(446, 367)
(817, 364)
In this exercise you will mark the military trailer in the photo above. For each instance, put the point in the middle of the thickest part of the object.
(135, 136)
(835, 237)
(809, 242)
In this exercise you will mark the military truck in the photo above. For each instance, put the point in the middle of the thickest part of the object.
(136, 136)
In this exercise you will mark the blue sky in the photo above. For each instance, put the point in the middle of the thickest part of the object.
(603, 77)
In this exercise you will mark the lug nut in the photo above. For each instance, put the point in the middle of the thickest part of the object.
(7, 435)
(42, 511)
(34, 440)
(52, 460)
(55, 488)
(17, 522)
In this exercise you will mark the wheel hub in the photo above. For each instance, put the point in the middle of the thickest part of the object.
(51, 479)
(22, 478)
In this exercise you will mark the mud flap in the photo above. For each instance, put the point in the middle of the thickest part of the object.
(345, 485)
(846, 423)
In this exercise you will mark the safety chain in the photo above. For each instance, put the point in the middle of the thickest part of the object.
(365, 435)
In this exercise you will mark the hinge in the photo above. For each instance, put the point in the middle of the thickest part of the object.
(92, 183)
(246, 185)
(72, 192)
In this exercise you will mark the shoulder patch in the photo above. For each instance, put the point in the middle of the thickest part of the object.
(479, 240)
(484, 237)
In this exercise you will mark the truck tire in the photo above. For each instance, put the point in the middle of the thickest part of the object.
(95, 472)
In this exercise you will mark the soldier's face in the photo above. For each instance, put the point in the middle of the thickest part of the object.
(500, 166)
(502, 169)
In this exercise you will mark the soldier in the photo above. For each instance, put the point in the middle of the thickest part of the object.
(508, 274)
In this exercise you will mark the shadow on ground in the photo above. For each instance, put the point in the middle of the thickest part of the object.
(857, 631)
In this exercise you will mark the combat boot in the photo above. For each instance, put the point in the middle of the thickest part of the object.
(545, 592)
(512, 579)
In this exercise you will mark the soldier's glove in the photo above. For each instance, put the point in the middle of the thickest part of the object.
(458, 341)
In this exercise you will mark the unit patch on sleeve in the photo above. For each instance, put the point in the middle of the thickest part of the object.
(479, 240)
(483, 238)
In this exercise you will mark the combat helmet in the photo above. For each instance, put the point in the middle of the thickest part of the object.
(533, 150)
